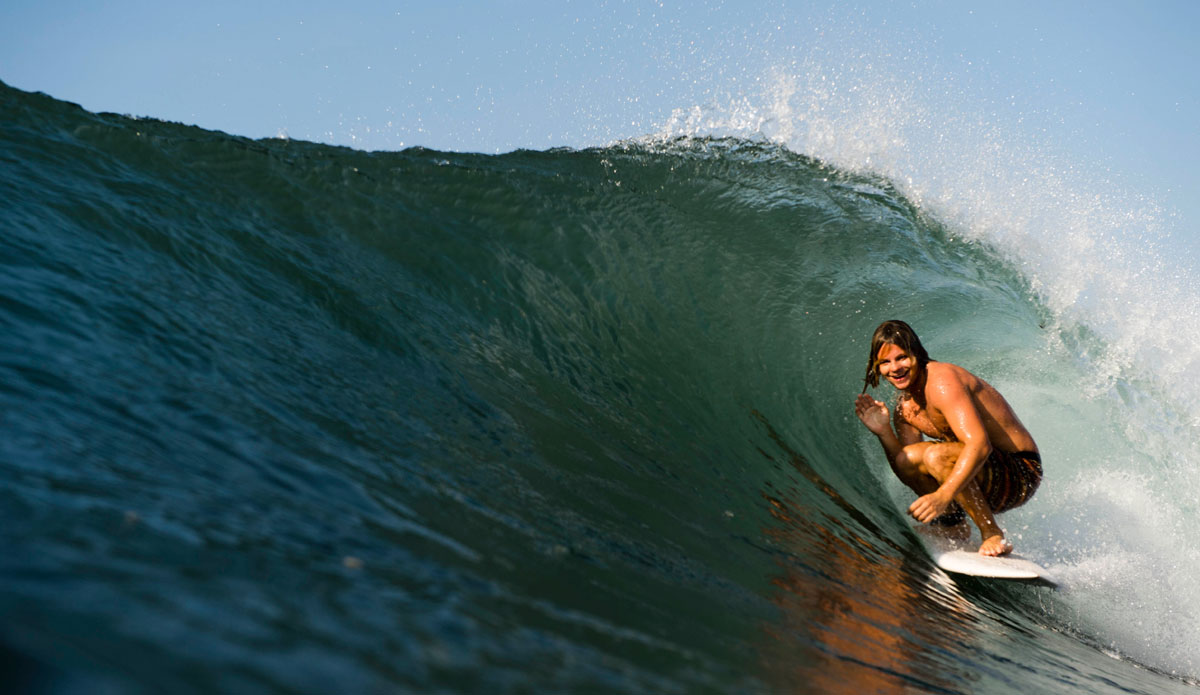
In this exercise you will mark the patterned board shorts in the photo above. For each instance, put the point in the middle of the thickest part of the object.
(1007, 481)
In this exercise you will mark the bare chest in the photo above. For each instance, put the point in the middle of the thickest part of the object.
(932, 424)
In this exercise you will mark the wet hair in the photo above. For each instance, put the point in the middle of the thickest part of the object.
(901, 335)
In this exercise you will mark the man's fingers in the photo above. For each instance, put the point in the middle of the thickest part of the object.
(921, 512)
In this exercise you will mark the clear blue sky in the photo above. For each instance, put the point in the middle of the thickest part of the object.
(1115, 85)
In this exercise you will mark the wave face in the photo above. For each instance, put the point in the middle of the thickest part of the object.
(281, 417)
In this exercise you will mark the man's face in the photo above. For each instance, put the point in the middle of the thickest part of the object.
(897, 366)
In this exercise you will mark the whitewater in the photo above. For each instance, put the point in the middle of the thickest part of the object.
(286, 417)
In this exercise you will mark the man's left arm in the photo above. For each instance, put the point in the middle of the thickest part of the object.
(949, 395)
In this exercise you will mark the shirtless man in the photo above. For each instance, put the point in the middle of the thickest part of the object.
(982, 458)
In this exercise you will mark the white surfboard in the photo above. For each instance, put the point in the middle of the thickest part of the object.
(956, 559)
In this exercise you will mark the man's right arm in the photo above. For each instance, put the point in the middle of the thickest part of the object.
(874, 415)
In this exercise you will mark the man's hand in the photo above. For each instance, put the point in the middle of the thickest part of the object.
(874, 414)
(928, 507)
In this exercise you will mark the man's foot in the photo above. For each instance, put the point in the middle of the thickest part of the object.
(995, 546)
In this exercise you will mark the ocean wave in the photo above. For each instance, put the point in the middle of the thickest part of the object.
(298, 417)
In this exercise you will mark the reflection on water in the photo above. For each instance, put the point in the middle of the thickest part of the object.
(854, 618)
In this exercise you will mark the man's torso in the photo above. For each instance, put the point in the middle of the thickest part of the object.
(1004, 430)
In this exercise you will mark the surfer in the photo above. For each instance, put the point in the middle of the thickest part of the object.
(983, 460)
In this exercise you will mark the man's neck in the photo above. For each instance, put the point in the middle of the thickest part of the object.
(916, 389)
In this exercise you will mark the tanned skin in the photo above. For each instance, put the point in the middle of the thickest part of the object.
(965, 414)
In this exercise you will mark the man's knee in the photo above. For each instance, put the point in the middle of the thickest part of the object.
(909, 462)
(939, 460)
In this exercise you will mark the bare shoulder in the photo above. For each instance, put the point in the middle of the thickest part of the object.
(949, 379)
(946, 372)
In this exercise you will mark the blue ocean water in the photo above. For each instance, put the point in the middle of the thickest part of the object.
(285, 417)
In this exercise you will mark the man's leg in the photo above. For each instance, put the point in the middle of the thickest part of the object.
(927, 465)
(909, 467)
